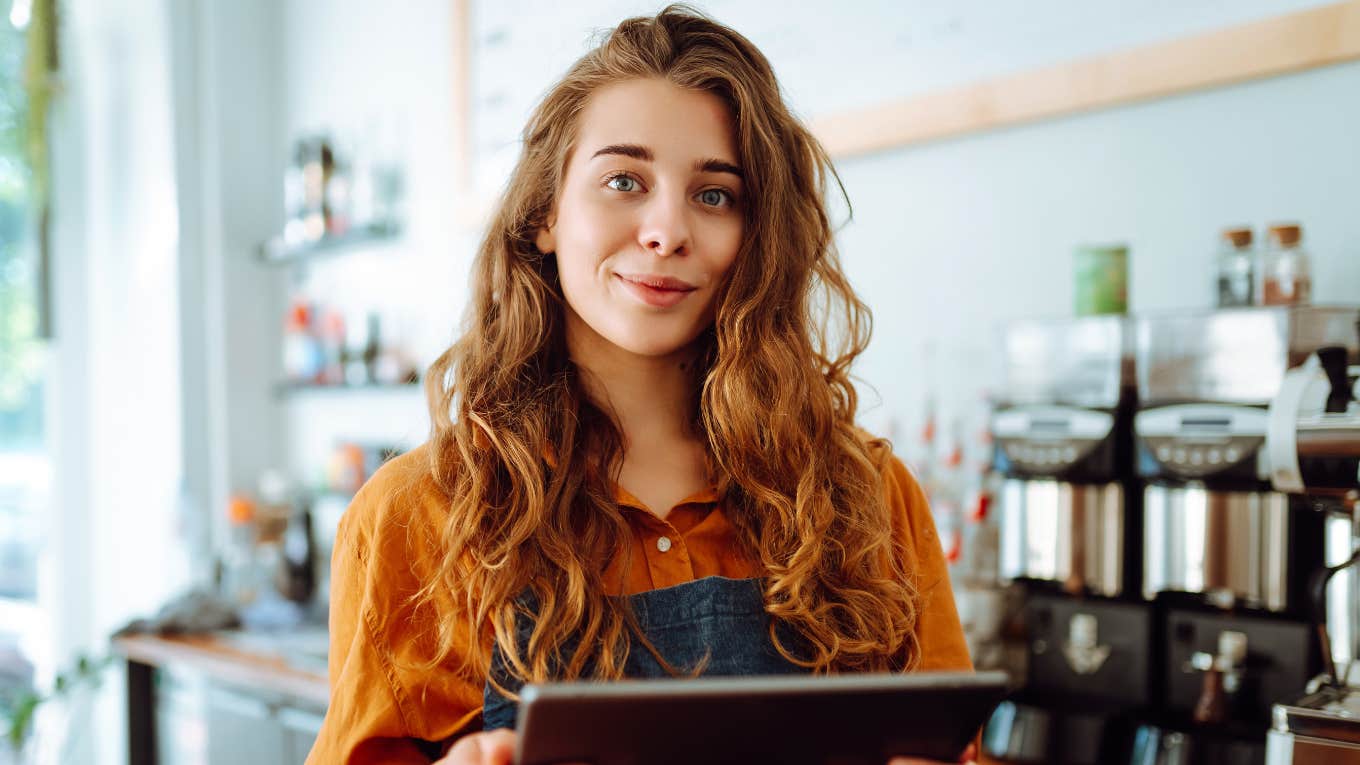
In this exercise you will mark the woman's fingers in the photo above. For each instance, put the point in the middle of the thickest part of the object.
(498, 748)
(492, 747)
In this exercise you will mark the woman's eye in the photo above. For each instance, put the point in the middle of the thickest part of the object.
(715, 197)
(622, 183)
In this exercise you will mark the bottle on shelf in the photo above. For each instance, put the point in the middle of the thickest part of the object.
(1236, 268)
(318, 162)
(332, 344)
(1222, 677)
(295, 577)
(302, 362)
(339, 201)
(240, 580)
(373, 347)
(356, 341)
(1285, 276)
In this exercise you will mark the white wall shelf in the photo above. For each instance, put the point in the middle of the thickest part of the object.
(279, 253)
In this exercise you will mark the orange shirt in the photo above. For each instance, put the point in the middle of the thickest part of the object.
(381, 711)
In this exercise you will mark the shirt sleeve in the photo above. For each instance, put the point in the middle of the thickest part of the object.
(938, 631)
(382, 708)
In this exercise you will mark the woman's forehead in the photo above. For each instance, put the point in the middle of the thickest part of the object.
(677, 125)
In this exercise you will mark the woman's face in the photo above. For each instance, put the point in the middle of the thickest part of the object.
(649, 217)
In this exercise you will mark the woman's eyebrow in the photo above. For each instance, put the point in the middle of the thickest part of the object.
(644, 154)
(626, 150)
(718, 166)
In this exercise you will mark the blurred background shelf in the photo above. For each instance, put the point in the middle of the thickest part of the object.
(285, 389)
(277, 252)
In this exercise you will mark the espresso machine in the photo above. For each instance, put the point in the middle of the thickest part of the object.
(1313, 439)
(1070, 523)
(1227, 559)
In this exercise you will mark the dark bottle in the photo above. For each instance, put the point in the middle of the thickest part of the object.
(1212, 705)
(296, 577)
(1222, 678)
(373, 348)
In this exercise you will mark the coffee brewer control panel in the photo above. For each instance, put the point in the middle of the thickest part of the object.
(1195, 441)
(1049, 440)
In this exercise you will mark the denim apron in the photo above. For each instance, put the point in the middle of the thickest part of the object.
(721, 617)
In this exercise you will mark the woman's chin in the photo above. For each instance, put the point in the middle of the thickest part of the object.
(654, 345)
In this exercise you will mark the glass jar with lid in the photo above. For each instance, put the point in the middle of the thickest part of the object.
(1236, 268)
(1285, 276)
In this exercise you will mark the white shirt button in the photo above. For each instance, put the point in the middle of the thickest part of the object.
(663, 544)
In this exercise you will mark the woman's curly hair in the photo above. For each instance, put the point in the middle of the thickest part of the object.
(774, 401)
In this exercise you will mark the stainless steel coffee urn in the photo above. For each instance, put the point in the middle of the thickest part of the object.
(1214, 525)
(1313, 440)
(1062, 429)
(1069, 527)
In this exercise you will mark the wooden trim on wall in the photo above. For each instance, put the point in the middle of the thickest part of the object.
(1291, 43)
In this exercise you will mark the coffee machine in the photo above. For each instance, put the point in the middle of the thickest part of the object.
(1070, 524)
(1227, 559)
(1313, 439)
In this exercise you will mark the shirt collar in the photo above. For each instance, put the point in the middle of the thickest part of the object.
(625, 498)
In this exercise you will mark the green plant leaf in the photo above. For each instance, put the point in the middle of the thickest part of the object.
(22, 720)
(86, 671)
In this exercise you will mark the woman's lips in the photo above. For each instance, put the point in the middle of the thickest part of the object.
(656, 291)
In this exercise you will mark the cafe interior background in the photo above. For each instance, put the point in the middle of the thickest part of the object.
(247, 229)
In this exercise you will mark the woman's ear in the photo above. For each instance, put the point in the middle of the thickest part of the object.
(545, 240)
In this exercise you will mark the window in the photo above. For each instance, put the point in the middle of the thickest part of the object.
(25, 468)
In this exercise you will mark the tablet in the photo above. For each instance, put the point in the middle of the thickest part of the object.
(790, 720)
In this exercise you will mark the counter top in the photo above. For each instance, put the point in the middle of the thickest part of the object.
(283, 663)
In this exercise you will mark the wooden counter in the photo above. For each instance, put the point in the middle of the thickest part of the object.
(224, 658)
(270, 665)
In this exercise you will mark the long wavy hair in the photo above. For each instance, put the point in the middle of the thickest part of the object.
(773, 399)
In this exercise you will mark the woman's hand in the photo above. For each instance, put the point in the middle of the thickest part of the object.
(493, 747)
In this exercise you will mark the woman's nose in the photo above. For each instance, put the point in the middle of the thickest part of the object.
(664, 229)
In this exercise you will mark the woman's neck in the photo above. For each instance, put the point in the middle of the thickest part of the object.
(650, 397)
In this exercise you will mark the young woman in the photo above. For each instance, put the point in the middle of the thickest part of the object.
(643, 460)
